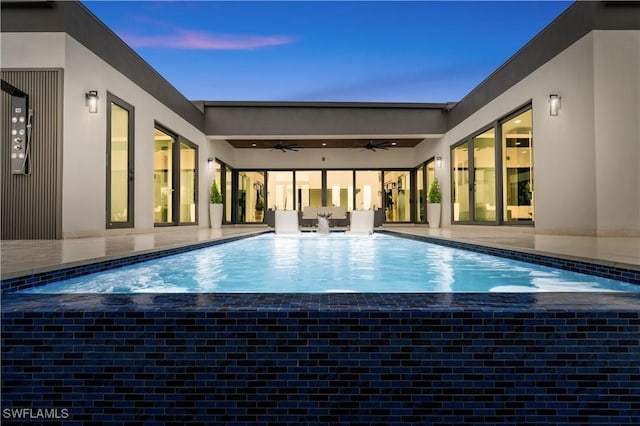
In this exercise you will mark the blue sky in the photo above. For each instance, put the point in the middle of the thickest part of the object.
(416, 51)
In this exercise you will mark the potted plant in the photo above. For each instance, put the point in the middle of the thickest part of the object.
(434, 198)
(259, 208)
(215, 206)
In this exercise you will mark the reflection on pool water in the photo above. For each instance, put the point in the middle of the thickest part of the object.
(333, 263)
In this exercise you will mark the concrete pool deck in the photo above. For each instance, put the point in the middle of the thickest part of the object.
(25, 257)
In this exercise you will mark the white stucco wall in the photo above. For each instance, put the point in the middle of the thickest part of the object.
(32, 50)
(84, 158)
(585, 159)
(616, 62)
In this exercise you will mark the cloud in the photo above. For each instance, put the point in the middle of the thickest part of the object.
(200, 40)
(427, 85)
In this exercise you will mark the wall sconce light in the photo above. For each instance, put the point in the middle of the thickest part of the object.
(91, 98)
(438, 162)
(554, 104)
(210, 162)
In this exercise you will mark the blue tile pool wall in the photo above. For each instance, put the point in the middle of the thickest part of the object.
(277, 360)
(605, 271)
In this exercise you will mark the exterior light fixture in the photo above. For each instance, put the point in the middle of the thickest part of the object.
(210, 162)
(554, 104)
(438, 162)
(91, 98)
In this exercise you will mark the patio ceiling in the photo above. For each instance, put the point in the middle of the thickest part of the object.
(325, 143)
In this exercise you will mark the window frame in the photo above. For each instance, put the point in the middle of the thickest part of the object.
(130, 223)
(496, 125)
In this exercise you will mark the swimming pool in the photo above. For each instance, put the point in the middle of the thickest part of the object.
(334, 263)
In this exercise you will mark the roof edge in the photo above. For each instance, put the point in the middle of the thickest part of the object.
(328, 104)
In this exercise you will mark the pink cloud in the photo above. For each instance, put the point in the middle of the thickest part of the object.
(197, 40)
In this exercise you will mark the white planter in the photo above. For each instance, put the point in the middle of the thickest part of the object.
(433, 214)
(215, 215)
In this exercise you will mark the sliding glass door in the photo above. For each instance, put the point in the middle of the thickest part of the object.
(175, 182)
(484, 177)
(250, 191)
(517, 168)
(474, 179)
(340, 189)
(420, 195)
(188, 182)
(397, 199)
(480, 164)
(308, 188)
(120, 170)
(368, 189)
(460, 182)
(280, 190)
(163, 182)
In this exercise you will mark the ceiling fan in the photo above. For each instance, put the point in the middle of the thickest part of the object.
(284, 147)
(372, 146)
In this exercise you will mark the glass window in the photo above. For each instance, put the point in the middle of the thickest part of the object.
(188, 183)
(517, 168)
(227, 196)
(223, 175)
(340, 189)
(460, 182)
(119, 164)
(163, 185)
(431, 173)
(484, 174)
(420, 194)
(279, 191)
(397, 189)
(368, 190)
(250, 190)
(308, 188)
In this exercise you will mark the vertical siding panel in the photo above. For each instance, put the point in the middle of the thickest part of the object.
(30, 205)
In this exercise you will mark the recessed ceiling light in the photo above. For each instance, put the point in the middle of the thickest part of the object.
(253, 144)
(324, 144)
(393, 143)
(518, 121)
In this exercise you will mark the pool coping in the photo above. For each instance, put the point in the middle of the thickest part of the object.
(296, 302)
(605, 269)
(601, 268)
(45, 275)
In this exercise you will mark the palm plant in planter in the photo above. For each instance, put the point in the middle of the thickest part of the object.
(434, 198)
(259, 208)
(215, 206)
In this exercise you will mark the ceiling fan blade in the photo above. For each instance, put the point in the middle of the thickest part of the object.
(282, 147)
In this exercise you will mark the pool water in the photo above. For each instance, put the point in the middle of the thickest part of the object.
(334, 263)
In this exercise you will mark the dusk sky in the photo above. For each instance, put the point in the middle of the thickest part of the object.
(417, 51)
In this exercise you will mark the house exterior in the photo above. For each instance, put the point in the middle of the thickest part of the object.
(549, 141)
